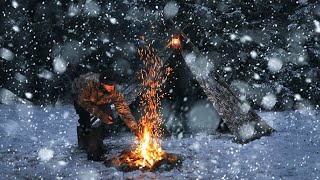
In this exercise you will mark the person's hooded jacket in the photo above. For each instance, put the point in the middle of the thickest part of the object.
(89, 94)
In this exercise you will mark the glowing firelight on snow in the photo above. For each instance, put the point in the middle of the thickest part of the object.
(149, 151)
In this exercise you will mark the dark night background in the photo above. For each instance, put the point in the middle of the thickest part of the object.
(45, 44)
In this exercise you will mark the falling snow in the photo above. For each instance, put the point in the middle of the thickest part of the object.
(91, 8)
(201, 118)
(245, 38)
(171, 9)
(73, 10)
(6, 54)
(274, 64)
(28, 95)
(317, 24)
(59, 65)
(267, 51)
(15, 4)
(246, 131)
(113, 21)
(269, 101)
(16, 28)
(45, 74)
(45, 154)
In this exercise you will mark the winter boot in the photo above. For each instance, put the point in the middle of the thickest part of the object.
(95, 150)
(82, 138)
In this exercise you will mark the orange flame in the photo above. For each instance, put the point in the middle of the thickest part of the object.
(149, 151)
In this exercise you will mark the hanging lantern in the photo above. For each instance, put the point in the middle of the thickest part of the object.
(175, 42)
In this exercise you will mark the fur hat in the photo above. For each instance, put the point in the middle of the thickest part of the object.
(107, 78)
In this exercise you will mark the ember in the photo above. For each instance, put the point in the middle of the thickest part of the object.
(149, 154)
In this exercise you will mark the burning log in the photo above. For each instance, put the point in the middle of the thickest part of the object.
(129, 161)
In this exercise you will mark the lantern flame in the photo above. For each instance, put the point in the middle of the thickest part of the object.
(175, 42)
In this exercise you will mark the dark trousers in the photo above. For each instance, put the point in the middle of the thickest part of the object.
(85, 117)
(89, 138)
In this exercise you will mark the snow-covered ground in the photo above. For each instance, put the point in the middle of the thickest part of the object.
(40, 142)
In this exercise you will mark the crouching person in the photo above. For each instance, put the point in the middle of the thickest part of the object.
(93, 95)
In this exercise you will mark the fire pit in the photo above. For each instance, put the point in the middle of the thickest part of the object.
(129, 161)
(148, 154)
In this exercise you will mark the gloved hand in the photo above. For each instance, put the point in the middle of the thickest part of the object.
(105, 118)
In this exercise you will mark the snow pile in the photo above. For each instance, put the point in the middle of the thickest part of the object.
(170, 10)
(291, 152)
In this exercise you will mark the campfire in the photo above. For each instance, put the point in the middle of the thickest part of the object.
(148, 154)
